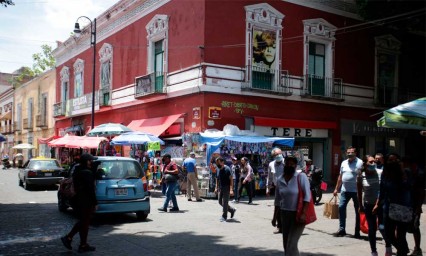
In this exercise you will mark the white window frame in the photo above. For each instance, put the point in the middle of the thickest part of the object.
(105, 55)
(157, 30)
(389, 45)
(322, 32)
(78, 70)
(65, 79)
(264, 17)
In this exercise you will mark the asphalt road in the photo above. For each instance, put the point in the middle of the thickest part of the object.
(30, 224)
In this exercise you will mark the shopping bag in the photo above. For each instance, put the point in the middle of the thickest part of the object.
(331, 208)
(310, 211)
(323, 186)
(363, 223)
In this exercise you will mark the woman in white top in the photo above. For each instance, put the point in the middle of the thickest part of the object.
(288, 193)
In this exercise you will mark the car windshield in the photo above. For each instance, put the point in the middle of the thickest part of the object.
(119, 170)
(43, 164)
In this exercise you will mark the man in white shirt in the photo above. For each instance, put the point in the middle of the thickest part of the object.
(275, 169)
(347, 181)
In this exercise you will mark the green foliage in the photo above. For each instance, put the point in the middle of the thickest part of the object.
(5, 3)
(42, 62)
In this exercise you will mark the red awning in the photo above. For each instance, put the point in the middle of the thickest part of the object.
(156, 125)
(61, 142)
(85, 142)
(46, 140)
(275, 122)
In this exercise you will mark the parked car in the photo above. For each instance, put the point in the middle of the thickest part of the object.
(121, 187)
(40, 171)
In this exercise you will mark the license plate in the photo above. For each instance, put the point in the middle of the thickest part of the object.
(47, 174)
(121, 191)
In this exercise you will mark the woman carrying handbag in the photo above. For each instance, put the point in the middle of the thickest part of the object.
(288, 186)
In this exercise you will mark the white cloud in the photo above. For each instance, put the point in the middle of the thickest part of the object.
(32, 23)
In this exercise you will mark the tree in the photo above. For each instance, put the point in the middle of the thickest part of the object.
(42, 62)
(5, 3)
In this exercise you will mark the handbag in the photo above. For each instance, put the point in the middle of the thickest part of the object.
(363, 223)
(67, 188)
(170, 177)
(323, 186)
(331, 208)
(400, 213)
(310, 211)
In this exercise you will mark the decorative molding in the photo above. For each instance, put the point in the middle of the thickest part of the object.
(157, 26)
(110, 22)
(346, 8)
(264, 14)
(65, 74)
(388, 42)
(319, 28)
(78, 66)
(105, 53)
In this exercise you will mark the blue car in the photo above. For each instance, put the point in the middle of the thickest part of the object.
(120, 187)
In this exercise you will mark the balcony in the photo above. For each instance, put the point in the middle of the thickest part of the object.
(268, 81)
(17, 127)
(41, 121)
(105, 97)
(150, 84)
(7, 129)
(323, 88)
(27, 124)
(59, 109)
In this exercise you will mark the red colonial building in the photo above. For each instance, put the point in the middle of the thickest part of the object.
(304, 69)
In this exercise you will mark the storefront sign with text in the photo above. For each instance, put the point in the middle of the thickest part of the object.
(290, 132)
(214, 112)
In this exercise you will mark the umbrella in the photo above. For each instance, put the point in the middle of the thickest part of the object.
(23, 146)
(2, 138)
(109, 129)
(130, 138)
(61, 142)
(411, 115)
(85, 142)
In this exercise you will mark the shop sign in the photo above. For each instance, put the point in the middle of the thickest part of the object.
(214, 112)
(154, 146)
(82, 105)
(290, 132)
(143, 86)
(196, 113)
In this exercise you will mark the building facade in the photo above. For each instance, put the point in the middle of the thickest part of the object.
(33, 113)
(304, 69)
(6, 110)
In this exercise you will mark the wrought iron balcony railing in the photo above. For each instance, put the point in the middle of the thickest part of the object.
(28, 125)
(321, 87)
(41, 121)
(268, 81)
(105, 97)
(59, 109)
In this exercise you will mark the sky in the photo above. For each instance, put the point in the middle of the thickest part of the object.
(27, 25)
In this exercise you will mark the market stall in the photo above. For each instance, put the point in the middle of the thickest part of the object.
(233, 142)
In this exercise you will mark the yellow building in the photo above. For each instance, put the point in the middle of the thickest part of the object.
(33, 113)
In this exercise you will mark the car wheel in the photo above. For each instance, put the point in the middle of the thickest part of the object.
(62, 206)
(141, 216)
(21, 183)
(26, 185)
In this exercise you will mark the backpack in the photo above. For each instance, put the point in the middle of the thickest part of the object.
(67, 188)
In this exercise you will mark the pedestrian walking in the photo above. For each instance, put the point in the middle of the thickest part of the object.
(170, 177)
(236, 173)
(246, 179)
(190, 166)
(368, 184)
(84, 203)
(275, 170)
(224, 188)
(347, 183)
(288, 194)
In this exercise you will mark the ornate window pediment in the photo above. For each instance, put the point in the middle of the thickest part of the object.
(105, 53)
(388, 42)
(264, 14)
(78, 66)
(65, 74)
(319, 28)
(158, 25)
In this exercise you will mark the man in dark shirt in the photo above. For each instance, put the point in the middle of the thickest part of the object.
(224, 188)
(84, 202)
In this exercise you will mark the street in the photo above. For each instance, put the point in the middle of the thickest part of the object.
(30, 224)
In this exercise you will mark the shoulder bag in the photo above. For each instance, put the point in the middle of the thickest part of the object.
(400, 213)
(310, 211)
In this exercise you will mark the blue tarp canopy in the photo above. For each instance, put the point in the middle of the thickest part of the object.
(213, 140)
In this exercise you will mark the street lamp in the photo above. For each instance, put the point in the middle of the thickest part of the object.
(77, 30)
